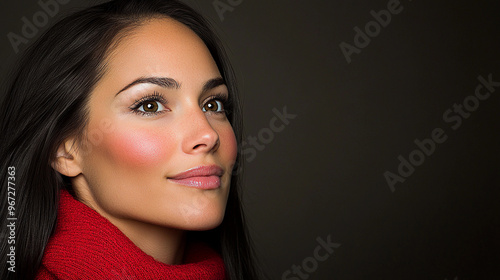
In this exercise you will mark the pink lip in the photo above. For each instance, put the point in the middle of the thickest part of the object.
(202, 177)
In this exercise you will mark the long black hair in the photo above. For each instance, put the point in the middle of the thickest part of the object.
(45, 103)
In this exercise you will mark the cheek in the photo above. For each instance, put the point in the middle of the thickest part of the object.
(230, 146)
(138, 148)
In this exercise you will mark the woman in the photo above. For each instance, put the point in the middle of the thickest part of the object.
(119, 138)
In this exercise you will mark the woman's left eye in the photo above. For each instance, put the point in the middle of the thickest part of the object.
(151, 107)
(213, 105)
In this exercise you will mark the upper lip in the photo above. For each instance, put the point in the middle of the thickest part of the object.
(205, 170)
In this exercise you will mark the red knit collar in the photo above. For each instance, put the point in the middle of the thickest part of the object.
(85, 245)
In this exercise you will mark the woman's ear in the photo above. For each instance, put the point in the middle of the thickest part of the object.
(68, 160)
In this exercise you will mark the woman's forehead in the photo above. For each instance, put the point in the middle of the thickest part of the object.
(161, 47)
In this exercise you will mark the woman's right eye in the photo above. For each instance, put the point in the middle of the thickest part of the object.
(149, 105)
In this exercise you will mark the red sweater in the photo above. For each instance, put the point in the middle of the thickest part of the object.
(85, 245)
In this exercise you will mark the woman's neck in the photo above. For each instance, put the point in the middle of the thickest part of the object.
(166, 245)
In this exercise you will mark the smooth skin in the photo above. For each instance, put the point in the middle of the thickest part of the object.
(154, 132)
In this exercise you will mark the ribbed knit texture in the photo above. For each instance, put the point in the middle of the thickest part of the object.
(85, 245)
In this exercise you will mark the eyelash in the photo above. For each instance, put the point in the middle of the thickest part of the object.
(155, 97)
(223, 99)
(158, 97)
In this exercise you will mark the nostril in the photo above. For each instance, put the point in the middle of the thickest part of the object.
(214, 147)
(196, 147)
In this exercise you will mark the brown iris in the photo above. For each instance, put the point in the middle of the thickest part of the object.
(211, 106)
(150, 107)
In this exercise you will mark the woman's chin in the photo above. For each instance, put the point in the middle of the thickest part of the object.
(194, 221)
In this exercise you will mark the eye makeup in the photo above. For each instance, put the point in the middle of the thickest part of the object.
(157, 102)
(149, 99)
(223, 99)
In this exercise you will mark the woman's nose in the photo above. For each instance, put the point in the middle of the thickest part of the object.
(199, 135)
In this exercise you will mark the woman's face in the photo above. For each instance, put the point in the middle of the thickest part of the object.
(162, 102)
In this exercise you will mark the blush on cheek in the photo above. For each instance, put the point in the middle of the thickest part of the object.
(137, 148)
(230, 146)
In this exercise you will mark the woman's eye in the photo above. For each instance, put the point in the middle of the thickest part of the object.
(213, 105)
(151, 107)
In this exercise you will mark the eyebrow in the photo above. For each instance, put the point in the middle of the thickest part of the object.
(160, 81)
(170, 83)
(213, 83)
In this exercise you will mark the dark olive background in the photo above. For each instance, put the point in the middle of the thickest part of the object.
(323, 174)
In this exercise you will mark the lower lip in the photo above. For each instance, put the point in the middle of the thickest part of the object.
(200, 182)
